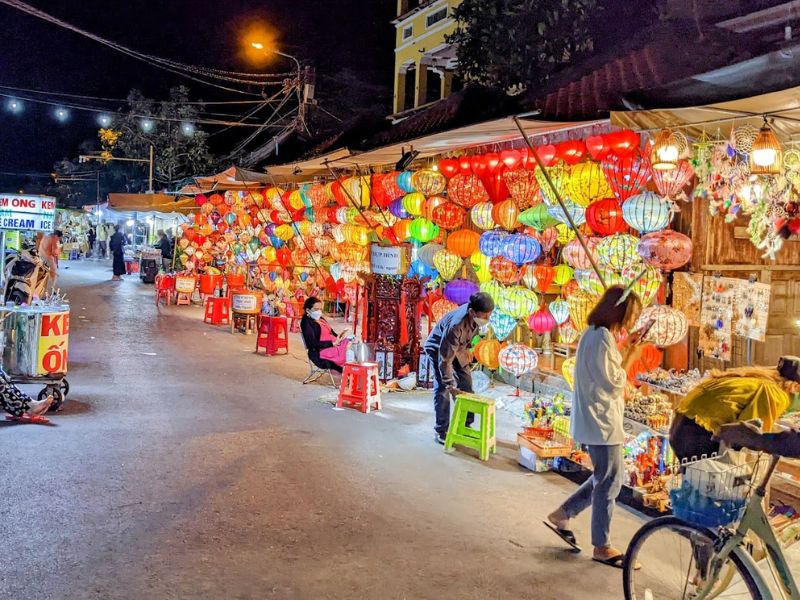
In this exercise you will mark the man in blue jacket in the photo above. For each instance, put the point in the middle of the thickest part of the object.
(448, 346)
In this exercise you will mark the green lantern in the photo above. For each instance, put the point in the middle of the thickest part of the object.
(537, 217)
(423, 230)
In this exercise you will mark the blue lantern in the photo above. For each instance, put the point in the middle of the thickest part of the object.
(404, 182)
(303, 276)
(491, 243)
(419, 269)
(502, 324)
(276, 242)
(521, 249)
(647, 212)
(459, 290)
(304, 194)
(577, 212)
(396, 208)
(273, 275)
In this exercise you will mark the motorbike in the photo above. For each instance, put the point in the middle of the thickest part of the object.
(26, 277)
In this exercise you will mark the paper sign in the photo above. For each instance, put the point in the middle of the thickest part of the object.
(27, 213)
(53, 343)
(387, 260)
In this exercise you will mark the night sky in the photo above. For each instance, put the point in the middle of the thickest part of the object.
(330, 34)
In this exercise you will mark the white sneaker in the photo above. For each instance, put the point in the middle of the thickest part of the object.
(39, 407)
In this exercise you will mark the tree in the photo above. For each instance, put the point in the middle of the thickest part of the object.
(517, 44)
(180, 146)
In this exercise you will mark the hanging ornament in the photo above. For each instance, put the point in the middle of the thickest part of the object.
(576, 257)
(521, 249)
(518, 302)
(565, 234)
(431, 204)
(578, 213)
(559, 175)
(504, 270)
(646, 286)
(495, 185)
(502, 324)
(402, 229)
(448, 215)
(505, 214)
(587, 182)
(523, 187)
(560, 310)
(647, 212)
(459, 290)
(413, 203)
(463, 242)
(627, 176)
(405, 183)
(618, 251)
(666, 250)
(529, 277)
(422, 230)
(481, 265)
(546, 238)
(447, 263)
(568, 371)
(541, 321)
(427, 253)
(429, 182)
(544, 275)
(671, 183)
(518, 359)
(481, 215)
(441, 307)
(669, 328)
(491, 243)
(605, 217)
(563, 273)
(466, 190)
(580, 305)
(567, 334)
(486, 353)
(537, 217)
(494, 289)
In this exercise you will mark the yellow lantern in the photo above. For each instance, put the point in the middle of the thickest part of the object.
(563, 273)
(429, 182)
(414, 203)
(587, 182)
(646, 287)
(481, 215)
(284, 232)
(447, 263)
(567, 334)
(581, 304)
(296, 200)
(273, 197)
(480, 264)
(568, 371)
(494, 289)
(359, 189)
(559, 175)
(486, 352)
(565, 234)
(337, 232)
(519, 302)
(269, 253)
(619, 251)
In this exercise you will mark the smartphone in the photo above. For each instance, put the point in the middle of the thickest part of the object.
(642, 333)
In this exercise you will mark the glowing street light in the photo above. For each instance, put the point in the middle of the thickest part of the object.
(187, 129)
(61, 114)
(147, 125)
(130, 222)
(104, 120)
(14, 106)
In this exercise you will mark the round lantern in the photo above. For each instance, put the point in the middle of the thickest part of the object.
(567, 334)
(588, 280)
(284, 256)
(518, 359)
(576, 256)
(502, 324)
(431, 204)
(565, 234)
(560, 310)
(505, 214)
(671, 182)
(627, 176)
(467, 190)
(518, 302)
(463, 242)
(441, 307)
(581, 304)
(402, 229)
(646, 286)
(405, 183)
(529, 277)
(494, 289)
(414, 203)
(670, 325)
(448, 215)
(447, 263)
(398, 210)
(459, 290)
(284, 232)
(423, 230)
(486, 352)
(521, 249)
(391, 191)
(428, 252)
(503, 270)
(568, 371)
(577, 212)
(646, 212)
(558, 176)
(666, 250)
(523, 187)
(546, 238)
(491, 243)
(541, 321)
(563, 273)
(429, 182)
(537, 217)
(481, 215)
(586, 183)
(421, 270)
(480, 264)
(618, 251)
(544, 275)
(605, 217)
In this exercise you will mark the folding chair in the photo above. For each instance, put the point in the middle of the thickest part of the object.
(314, 372)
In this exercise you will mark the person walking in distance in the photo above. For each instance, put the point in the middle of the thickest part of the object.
(117, 246)
(102, 240)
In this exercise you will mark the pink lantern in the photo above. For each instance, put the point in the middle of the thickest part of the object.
(666, 250)
(200, 199)
(518, 359)
(575, 255)
(670, 182)
(547, 238)
(541, 321)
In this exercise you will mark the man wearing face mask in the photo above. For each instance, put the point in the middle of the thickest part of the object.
(448, 346)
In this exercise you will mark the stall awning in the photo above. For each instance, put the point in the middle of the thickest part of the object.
(163, 203)
(306, 170)
(233, 178)
(783, 107)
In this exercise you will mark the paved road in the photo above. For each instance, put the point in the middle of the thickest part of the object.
(184, 466)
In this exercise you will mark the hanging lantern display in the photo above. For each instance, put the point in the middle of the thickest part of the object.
(766, 155)
(505, 214)
(448, 166)
(670, 326)
(448, 215)
(569, 288)
(518, 359)
(494, 289)
(576, 256)
(671, 183)
(529, 277)
(414, 203)
(589, 281)
(463, 242)
(523, 187)
(481, 215)
(571, 151)
(537, 217)
(627, 176)
(587, 182)
(431, 204)
(568, 371)
(560, 310)
(546, 238)
(624, 142)
(459, 290)
(567, 334)
(502, 324)
(495, 186)
(480, 264)
(359, 192)
(544, 275)
(429, 182)
(521, 249)
(423, 230)
(390, 187)
(504, 270)
(605, 217)
(647, 212)
(562, 274)
(576, 212)
(421, 270)
(405, 183)
(559, 175)
(402, 229)
(646, 286)
(666, 250)
(581, 304)
(618, 251)
(397, 209)
(466, 190)
(491, 243)
(427, 253)
(541, 321)
(441, 307)
(486, 352)
(518, 302)
(447, 263)
(667, 149)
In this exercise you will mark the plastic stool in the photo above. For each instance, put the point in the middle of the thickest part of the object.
(218, 310)
(483, 439)
(360, 387)
(262, 333)
(278, 336)
(183, 299)
(165, 286)
(246, 319)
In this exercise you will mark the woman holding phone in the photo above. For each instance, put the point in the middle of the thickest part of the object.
(326, 348)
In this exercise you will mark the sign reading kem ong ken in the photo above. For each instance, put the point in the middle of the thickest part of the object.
(27, 213)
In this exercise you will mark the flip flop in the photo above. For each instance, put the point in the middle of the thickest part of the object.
(618, 562)
(565, 534)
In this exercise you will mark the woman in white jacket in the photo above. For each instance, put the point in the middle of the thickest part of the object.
(597, 418)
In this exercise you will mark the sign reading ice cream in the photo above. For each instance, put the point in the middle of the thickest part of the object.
(27, 213)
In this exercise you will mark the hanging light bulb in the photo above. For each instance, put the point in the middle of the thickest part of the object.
(766, 156)
(667, 149)
(147, 125)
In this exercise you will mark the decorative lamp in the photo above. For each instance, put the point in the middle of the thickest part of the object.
(491, 243)
(521, 249)
(627, 176)
(494, 289)
(428, 252)
(544, 275)
(567, 334)
(466, 190)
(448, 215)
(398, 210)
(537, 217)
(481, 215)
(666, 250)
(495, 186)
(569, 288)
(541, 321)
(518, 302)
(571, 151)
(646, 286)
(568, 371)
(577, 212)
(605, 217)
(560, 310)
(459, 290)
(766, 155)
(559, 175)
(563, 273)
(422, 230)
(589, 281)
(486, 352)
(647, 212)
(392, 190)
(670, 325)
(421, 270)
(431, 204)
(576, 256)
(405, 183)
(618, 251)
(413, 203)
(587, 182)
(463, 242)
(529, 277)
(518, 359)
(447, 263)
(502, 324)
(523, 187)
(581, 304)
(441, 307)
(667, 149)
(504, 270)
(671, 183)
(448, 167)
(402, 229)
(429, 182)
(624, 142)
(565, 234)
(546, 238)
(480, 264)
(505, 214)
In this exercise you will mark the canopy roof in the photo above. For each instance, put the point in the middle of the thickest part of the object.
(233, 178)
(161, 203)
(306, 170)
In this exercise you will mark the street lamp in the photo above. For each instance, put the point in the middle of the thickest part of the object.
(14, 106)
(62, 114)
(260, 46)
(104, 120)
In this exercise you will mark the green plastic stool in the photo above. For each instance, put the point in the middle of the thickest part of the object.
(482, 439)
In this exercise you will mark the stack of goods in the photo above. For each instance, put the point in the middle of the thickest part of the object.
(653, 410)
(546, 432)
(647, 456)
(674, 381)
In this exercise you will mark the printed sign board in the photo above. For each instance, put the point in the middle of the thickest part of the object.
(27, 213)
(388, 260)
(53, 343)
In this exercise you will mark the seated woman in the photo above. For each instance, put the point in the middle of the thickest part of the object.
(731, 397)
(324, 345)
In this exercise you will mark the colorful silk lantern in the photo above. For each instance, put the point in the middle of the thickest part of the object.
(502, 324)
(581, 304)
(670, 325)
(618, 251)
(568, 371)
(648, 281)
(605, 217)
(589, 281)
(429, 182)
(560, 310)
(441, 307)
(428, 252)
(523, 187)
(541, 321)
(576, 212)
(521, 249)
(576, 256)
(402, 229)
(448, 215)
(448, 167)
(486, 352)
(481, 215)
(671, 182)
(647, 212)
(544, 275)
(518, 359)
(466, 190)
(494, 289)
(567, 334)
(447, 263)
(505, 214)
(537, 217)
(413, 203)
(627, 176)
(463, 242)
(491, 243)
(666, 250)
(423, 230)
(480, 264)
(504, 270)
(459, 290)
(546, 238)
(405, 183)
(587, 182)
(431, 204)
(529, 277)
(397, 209)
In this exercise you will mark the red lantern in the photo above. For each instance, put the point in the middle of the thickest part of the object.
(478, 165)
(503, 270)
(200, 219)
(216, 199)
(284, 256)
(571, 151)
(547, 154)
(200, 199)
(627, 176)
(623, 143)
(431, 204)
(377, 191)
(492, 161)
(464, 165)
(541, 321)
(466, 190)
(605, 217)
(523, 187)
(463, 242)
(597, 147)
(511, 158)
(393, 191)
(495, 185)
(544, 275)
(448, 167)
(448, 216)
(332, 217)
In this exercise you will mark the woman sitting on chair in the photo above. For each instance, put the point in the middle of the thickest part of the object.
(326, 348)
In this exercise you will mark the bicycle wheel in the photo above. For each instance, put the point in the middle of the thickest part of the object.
(674, 557)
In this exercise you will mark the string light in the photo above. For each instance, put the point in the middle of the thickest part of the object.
(187, 129)
(146, 125)
(104, 120)
(14, 106)
(61, 114)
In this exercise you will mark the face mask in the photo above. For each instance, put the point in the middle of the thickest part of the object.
(315, 314)
(481, 322)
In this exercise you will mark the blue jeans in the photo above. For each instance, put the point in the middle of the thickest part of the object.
(441, 399)
(600, 492)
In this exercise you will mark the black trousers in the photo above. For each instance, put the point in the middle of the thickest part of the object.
(441, 399)
(689, 440)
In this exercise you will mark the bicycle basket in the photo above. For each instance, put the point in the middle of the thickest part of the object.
(713, 492)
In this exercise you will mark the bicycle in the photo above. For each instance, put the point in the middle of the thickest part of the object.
(681, 558)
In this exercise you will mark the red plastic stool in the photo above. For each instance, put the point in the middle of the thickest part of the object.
(218, 310)
(262, 333)
(278, 336)
(165, 286)
(360, 387)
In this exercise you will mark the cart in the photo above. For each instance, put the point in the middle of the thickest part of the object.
(35, 342)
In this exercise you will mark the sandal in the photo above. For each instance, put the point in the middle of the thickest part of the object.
(617, 561)
(565, 534)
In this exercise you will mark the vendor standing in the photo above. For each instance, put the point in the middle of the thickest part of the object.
(165, 245)
(117, 246)
(448, 347)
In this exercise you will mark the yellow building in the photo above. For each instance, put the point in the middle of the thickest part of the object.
(424, 61)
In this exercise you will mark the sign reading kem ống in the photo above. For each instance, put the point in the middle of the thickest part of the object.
(27, 213)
